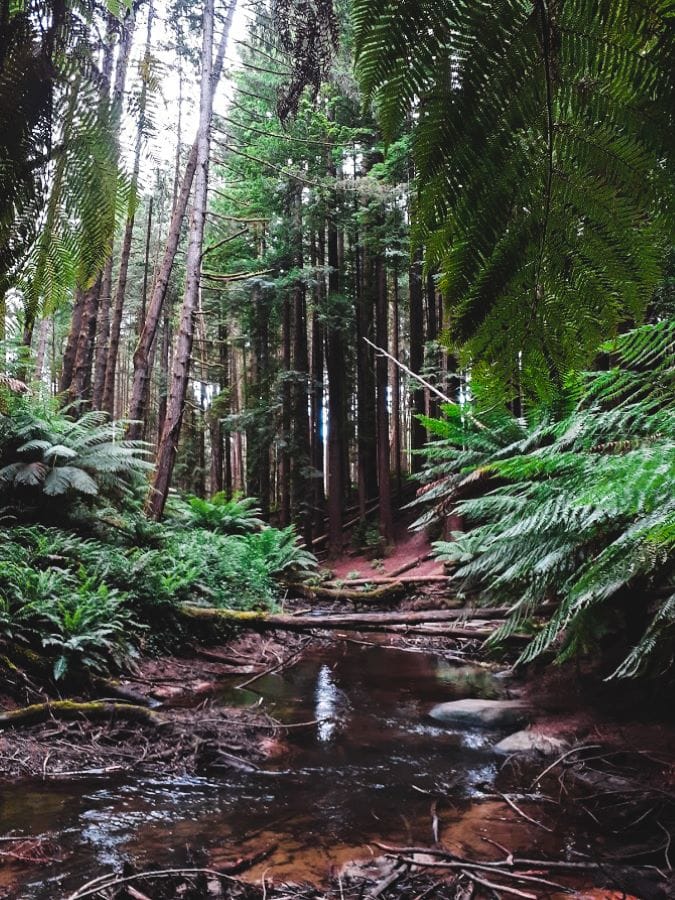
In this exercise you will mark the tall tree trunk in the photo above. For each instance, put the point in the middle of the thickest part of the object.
(168, 444)
(300, 488)
(142, 368)
(335, 368)
(316, 397)
(46, 326)
(286, 442)
(382, 378)
(365, 385)
(417, 431)
(259, 433)
(78, 388)
(163, 388)
(71, 341)
(146, 268)
(105, 301)
(108, 400)
(396, 387)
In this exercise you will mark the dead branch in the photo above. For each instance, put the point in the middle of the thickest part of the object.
(71, 709)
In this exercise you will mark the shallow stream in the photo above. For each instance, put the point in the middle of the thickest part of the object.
(368, 768)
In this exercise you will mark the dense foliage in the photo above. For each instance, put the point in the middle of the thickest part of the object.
(541, 142)
(574, 508)
(89, 593)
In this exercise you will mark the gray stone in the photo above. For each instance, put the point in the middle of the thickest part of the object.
(531, 742)
(482, 713)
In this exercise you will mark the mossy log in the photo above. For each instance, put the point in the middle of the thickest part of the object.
(262, 621)
(73, 709)
(388, 591)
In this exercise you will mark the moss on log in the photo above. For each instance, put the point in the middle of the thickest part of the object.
(357, 621)
(73, 709)
(388, 591)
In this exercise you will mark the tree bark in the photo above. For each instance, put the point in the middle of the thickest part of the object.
(78, 388)
(108, 399)
(335, 367)
(395, 379)
(71, 342)
(142, 367)
(316, 398)
(300, 488)
(105, 301)
(417, 430)
(365, 386)
(285, 449)
(382, 378)
(168, 444)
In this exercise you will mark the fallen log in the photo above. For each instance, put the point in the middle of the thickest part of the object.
(263, 621)
(387, 591)
(72, 709)
(388, 579)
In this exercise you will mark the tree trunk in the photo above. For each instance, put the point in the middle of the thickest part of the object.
(365, 386)
(357, 621)
(396, 388)
(71, 342)
(103, 320)
(300, 489)
(418, 432)
(142, 368)
(45, 328)
(316, 397)
(168, 444)
(78, 389)
(335, 367)
(108, 400)
(382, 378)
(285, 450)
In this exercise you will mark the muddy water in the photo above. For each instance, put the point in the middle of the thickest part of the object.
(367, 768)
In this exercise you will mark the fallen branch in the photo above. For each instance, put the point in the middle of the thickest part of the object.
(102, 883)
(71, 709)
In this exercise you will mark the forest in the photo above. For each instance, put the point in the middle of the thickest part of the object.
(337, 449)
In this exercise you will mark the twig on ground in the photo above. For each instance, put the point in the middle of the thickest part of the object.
(560, 759)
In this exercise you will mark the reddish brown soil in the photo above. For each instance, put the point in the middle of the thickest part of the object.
(407, 547)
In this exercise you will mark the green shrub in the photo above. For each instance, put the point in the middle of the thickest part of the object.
(236, 516)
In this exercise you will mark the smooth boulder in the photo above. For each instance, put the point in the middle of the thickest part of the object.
(482, 713)
(531, 742)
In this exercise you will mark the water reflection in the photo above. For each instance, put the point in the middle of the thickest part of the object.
(373, 754)
(327, 698)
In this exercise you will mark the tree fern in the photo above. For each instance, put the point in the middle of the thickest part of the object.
(59, 179)
(44, 455)
(579, 511)
(541, 146)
